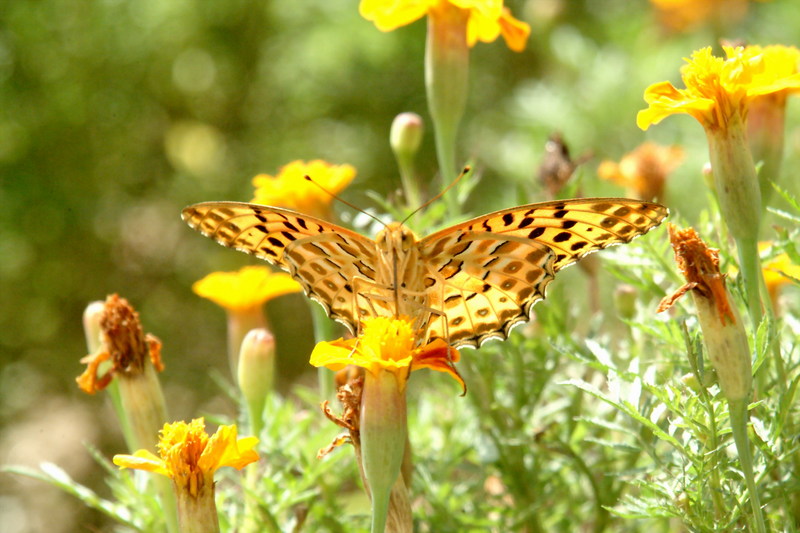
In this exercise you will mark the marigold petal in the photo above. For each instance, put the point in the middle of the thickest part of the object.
(388, 16)
(142, 460)
(90, 381)
(514, 31)
(246, 288)
(666, 100)
(224, 448)
(439, 356)
(334, 355)
(290, 188)
(338, 354)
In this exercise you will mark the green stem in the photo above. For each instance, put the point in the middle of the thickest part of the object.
(716, 485)
(739, 416)
(407, 172)
(750, 264)
(383, 432)
(446, 84)
(716, 491)
(324, 330)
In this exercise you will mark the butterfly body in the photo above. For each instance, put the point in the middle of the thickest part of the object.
(466, 284)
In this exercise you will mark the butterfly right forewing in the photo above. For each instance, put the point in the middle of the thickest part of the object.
(326, 259)
(485, 274)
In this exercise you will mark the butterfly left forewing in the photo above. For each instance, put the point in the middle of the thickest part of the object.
(324, 258)
(489, 271)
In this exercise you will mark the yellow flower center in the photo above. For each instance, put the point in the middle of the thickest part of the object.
(390, 340)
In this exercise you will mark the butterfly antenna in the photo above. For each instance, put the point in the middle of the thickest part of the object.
(345, 202)
(464, 172)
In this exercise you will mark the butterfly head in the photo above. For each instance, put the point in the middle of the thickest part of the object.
(395, 239)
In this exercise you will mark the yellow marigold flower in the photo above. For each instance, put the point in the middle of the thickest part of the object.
(387, 344)
(242, 294)
(644, 170)
(778, 272)
(290, 188)
(716, 88)
(718, 94)
(188, 456)
(388, 350)
(487, 20)
(767, 115)
(246, 288)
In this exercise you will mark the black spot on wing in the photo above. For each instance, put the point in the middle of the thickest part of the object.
(536, 233)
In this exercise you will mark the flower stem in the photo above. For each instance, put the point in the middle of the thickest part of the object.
(324, 329)
(739, 199)
(383, 439)
(446, 79)
(739, 416)
(750, 264)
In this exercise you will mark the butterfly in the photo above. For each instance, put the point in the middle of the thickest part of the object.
(466, 284)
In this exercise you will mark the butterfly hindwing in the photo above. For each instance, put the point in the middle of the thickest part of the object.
(323, 257)
(485, 293)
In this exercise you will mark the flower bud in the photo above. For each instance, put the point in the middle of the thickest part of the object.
(91, 326)
(625, 301)
(726, 343)
(255, 372)
(723, 332)
(405, 138)
(406, 134)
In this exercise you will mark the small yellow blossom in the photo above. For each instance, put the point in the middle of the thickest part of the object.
(189, 457)
(488, 19)
(387, 344)
(778, 272)
(375, 405)
(717, 88)
(766, 117)
(242, 295)
(246, 288)
(290, 188)
(644, 170)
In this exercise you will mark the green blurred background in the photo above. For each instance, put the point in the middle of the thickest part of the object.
(116, 114)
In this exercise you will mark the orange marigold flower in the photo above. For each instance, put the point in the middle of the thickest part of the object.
(717, 88)
(246, 288)
(387, 345)
(290, 188)
(188, 456)
(644, 170)
(487, 20)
